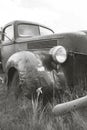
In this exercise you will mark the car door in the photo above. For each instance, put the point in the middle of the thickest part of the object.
(8, 47)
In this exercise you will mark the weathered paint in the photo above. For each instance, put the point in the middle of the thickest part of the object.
(76, 47)
(34, 72)
(75, 44)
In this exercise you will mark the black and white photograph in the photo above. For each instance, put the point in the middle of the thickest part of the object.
(43, 65)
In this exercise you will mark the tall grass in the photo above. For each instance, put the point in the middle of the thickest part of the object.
(26, 114)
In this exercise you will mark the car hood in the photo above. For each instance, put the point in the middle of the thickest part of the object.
(76, 42)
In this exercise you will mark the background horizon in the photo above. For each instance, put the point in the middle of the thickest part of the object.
(59, 15)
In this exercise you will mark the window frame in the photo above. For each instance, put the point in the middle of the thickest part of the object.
(3, 35)
(47, 29)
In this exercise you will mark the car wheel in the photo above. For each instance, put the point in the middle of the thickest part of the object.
(15, 88)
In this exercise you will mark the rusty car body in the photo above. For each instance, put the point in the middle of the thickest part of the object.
(33, 55)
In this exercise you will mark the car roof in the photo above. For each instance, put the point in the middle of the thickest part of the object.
(28, 22)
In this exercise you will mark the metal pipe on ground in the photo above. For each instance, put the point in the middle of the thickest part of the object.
(63, 108)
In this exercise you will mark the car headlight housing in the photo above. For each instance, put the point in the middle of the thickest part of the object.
(59, 54)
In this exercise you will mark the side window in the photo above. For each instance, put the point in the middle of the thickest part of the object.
(45, 31)
(8, 33)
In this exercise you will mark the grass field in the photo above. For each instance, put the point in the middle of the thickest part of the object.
(28, 115)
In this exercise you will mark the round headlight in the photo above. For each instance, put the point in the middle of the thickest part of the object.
(59, 54)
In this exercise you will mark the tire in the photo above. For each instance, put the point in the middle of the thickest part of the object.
(15, 89)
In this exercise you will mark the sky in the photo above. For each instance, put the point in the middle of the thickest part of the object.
(59, 15)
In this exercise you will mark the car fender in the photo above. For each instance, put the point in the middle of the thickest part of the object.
(35, 71)
(21, 61)
(31, 66)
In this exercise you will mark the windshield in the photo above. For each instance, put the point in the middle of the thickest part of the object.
(28, 30)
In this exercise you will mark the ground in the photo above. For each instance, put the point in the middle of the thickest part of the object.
(25, 114)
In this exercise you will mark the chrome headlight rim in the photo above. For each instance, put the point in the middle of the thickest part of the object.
(59, 54)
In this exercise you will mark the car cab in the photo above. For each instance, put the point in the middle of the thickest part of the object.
(19, 35)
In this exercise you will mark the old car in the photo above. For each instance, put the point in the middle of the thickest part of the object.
(22, 50)
(32, 56)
